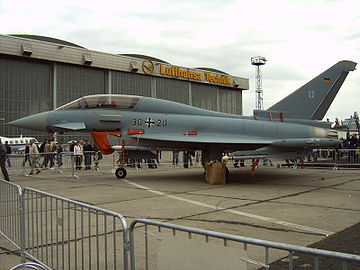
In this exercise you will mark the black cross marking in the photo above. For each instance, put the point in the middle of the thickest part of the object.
(149, 122)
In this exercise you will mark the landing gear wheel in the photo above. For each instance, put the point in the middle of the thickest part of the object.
(120, 173)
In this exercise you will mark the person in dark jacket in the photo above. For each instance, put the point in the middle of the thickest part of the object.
(8, 153)
(2, 161)
(27, 155)
(88, 151)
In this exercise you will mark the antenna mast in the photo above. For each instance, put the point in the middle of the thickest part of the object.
(258, 61)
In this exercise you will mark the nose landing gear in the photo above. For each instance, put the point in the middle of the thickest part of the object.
(120, 173)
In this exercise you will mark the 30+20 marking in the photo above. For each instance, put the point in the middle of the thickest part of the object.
(149, 122)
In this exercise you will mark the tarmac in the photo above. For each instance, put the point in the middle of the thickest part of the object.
(300, 207)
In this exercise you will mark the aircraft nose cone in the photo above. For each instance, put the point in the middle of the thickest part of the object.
(36, 122)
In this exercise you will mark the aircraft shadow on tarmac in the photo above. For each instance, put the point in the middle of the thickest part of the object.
(264, 175)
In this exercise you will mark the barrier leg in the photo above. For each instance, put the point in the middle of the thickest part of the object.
(73, 168)
(58, 171)
(22, 227)
(23, 171)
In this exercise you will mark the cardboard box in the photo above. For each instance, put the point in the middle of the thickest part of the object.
(216, 173)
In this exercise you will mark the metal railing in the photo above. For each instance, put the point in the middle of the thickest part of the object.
(12, 215)
(335, 159)
(65, 234)
(58, 163)
(65, 162)
(60, 233)
(323, 158)
(29, 265)
(150, 261)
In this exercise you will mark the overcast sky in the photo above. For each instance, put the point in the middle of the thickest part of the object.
(299, 38)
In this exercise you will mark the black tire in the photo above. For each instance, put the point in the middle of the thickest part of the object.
(120, 173)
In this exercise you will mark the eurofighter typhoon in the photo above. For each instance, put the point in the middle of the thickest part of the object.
(290, 128)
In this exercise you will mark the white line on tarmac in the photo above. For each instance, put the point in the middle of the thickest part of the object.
(241, 213)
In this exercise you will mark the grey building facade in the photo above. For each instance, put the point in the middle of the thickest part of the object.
(40, 74)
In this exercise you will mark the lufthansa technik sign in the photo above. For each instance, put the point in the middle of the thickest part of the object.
(148, 68)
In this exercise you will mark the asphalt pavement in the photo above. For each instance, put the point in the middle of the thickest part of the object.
(298, 207)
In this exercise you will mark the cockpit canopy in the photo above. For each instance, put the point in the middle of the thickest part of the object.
(103, 101)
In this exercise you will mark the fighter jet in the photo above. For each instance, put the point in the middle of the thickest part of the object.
(139, 125)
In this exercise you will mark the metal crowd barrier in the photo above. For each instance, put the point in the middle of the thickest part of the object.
(60, 233)
(29, 265)
(335, 159)
(224, 240)
(167, 157)
(12, 215)
(321, 158)
(65, 234)
(65, 162)
(58, 163)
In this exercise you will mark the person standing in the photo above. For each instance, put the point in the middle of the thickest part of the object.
(48, 152)
(59, 154)
(2, 161)
(186, 159)
(53, 153)
(175, 161)
(26, 156)
(41, 150)
(8, 153)
(97, 158)
(158, 157)
(78, 153)
(71, 146)
(88, 151)
(34, 155)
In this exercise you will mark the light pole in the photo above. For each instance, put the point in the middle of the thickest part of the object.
(258, 61)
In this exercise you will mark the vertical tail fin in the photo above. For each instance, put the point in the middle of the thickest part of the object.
(312, 100)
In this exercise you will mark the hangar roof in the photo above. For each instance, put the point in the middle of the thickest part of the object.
(56, 50)
(48, 39)
(141, 56)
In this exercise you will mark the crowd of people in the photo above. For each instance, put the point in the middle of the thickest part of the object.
(153, 163)
(349, 147)
(84, 151)
(187, 158)
(50, 154)
(352, 142)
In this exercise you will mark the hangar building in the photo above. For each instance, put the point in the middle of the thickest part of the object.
(40, 73)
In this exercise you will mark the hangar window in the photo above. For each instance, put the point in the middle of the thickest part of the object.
(103, 101)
